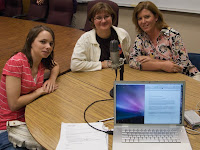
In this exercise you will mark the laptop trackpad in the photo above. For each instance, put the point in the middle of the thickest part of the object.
(152, 146)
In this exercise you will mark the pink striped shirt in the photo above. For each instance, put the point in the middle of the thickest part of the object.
(18, 66)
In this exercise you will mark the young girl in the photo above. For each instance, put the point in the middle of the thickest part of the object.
(23, 76)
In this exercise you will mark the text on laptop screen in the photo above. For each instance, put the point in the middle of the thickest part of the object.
(149, 103)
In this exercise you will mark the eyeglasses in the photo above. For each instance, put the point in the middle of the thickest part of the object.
(100, 18)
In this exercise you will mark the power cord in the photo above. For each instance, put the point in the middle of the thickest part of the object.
(198, 107)
(189, 129)
(109, 131)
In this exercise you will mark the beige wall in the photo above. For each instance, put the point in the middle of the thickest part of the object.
(187, 24)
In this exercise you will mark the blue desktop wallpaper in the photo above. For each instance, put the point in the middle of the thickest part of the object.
(130, 101)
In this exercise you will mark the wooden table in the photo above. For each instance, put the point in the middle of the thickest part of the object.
(78, 90)
(13, 33)
(44, 116)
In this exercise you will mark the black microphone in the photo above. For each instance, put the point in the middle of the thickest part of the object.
(114, 53)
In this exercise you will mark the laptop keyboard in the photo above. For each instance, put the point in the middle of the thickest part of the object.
(150, 136)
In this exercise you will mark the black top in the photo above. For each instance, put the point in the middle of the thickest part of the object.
(105, 45)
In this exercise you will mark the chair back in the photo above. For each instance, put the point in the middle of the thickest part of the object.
(75, 3)
(92, 3)
(60, 12)
(37, 11)
(195, 59)
(13, 8)
(2, 5)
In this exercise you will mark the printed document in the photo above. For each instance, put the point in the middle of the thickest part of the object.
(76, 136)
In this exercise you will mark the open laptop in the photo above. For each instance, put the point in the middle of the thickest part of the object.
(152, 108)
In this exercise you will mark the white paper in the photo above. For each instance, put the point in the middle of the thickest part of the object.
(76, 136)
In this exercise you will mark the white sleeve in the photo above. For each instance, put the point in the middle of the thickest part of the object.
(81, 58)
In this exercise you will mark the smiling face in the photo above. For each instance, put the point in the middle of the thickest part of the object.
(102, 22)
(147, 21)
(42, 46)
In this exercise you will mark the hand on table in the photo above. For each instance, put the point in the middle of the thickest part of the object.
(170, 66)
(50, 86)
(106, 64)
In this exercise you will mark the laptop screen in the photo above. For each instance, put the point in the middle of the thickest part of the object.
(154, 102)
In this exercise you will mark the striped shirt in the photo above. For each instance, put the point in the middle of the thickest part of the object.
(18, 66)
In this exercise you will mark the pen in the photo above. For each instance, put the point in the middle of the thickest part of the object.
(106, 119)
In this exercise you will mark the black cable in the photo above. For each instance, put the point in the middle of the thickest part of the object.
(108, 132)
(192, 133)
(191, 130)
(116, 74)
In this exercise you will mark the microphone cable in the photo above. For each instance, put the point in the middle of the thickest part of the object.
(110, 132)
(116, 74)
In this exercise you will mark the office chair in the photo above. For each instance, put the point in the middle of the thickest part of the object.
(195, 59)
(60, 12)
(2, 7)
(36, 12)
(13, 8)
(75, 3)
(92, 3)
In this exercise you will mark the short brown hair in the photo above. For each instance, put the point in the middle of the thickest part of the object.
(151, 7)
(101, 7)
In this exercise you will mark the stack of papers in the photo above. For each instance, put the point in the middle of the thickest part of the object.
(76, 136)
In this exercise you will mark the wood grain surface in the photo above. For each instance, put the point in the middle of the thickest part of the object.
(78, 90)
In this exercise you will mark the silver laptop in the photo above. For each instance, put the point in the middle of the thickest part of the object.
(148, 115)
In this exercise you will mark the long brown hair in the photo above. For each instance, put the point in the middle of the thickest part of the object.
(33, 33)
(151, 7)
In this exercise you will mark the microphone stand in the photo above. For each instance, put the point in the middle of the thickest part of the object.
(121, 70)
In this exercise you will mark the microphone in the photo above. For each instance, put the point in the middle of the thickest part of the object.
(114, 56)
(114, 53)
(117, 62)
